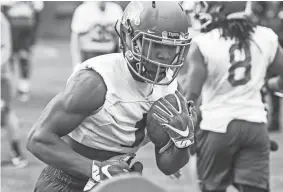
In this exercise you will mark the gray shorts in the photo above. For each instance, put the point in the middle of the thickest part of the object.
(239, 156)
(55, 180)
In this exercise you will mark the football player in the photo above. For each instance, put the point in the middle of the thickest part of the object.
(22, 16)
(91, 130)
(9, 120)
(228, 62)
(93, 31)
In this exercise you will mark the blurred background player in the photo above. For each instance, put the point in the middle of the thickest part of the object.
(228, 63)
(38, 7)
(93, 31)
(195, 26)
(9, 120)
(24, 19)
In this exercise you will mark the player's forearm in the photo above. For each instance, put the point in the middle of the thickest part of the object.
(52, 150)
(171, 160)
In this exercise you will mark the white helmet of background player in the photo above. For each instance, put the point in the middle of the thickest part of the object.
(149, 24)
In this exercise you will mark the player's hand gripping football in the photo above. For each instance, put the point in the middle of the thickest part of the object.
(114, 166)
(178, 122)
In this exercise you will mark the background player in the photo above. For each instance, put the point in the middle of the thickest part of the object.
(227, 66)
(9, 120)
(98, 121)
(270, 14)
(93, 31)
(23, 17)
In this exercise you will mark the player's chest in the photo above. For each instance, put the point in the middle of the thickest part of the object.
(128, 113)
(97, 21)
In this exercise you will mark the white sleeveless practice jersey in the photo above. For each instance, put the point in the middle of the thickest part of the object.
(95, 27)
(235, 77)
(119, 125)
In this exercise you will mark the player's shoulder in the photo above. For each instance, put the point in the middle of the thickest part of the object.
(80, 18)
(82, 10)
(108, 62)
(81, 7)
(202, 42)
(85, 92)
(214, 34)
(108, 66)
(205, 41)
(267, 40)
(265, 33)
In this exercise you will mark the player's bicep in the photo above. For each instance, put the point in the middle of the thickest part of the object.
(84, 94)
(56, 118)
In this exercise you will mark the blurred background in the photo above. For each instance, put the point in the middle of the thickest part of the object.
(50, 58)
(59, 13)
(268, 13)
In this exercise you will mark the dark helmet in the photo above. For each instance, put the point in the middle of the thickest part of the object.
(209, 11)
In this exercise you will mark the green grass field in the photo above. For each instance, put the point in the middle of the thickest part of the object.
(51, 68)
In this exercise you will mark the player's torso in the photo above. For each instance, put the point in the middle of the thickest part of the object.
(235, 76)
(119, 125)
(98, 36)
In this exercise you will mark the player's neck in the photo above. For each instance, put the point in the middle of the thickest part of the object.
(144, 88)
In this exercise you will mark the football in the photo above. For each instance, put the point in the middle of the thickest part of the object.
(156, 132)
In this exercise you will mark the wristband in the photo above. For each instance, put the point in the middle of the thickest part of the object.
(95, 176)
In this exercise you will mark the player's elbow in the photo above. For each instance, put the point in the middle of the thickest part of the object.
(34, 140)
